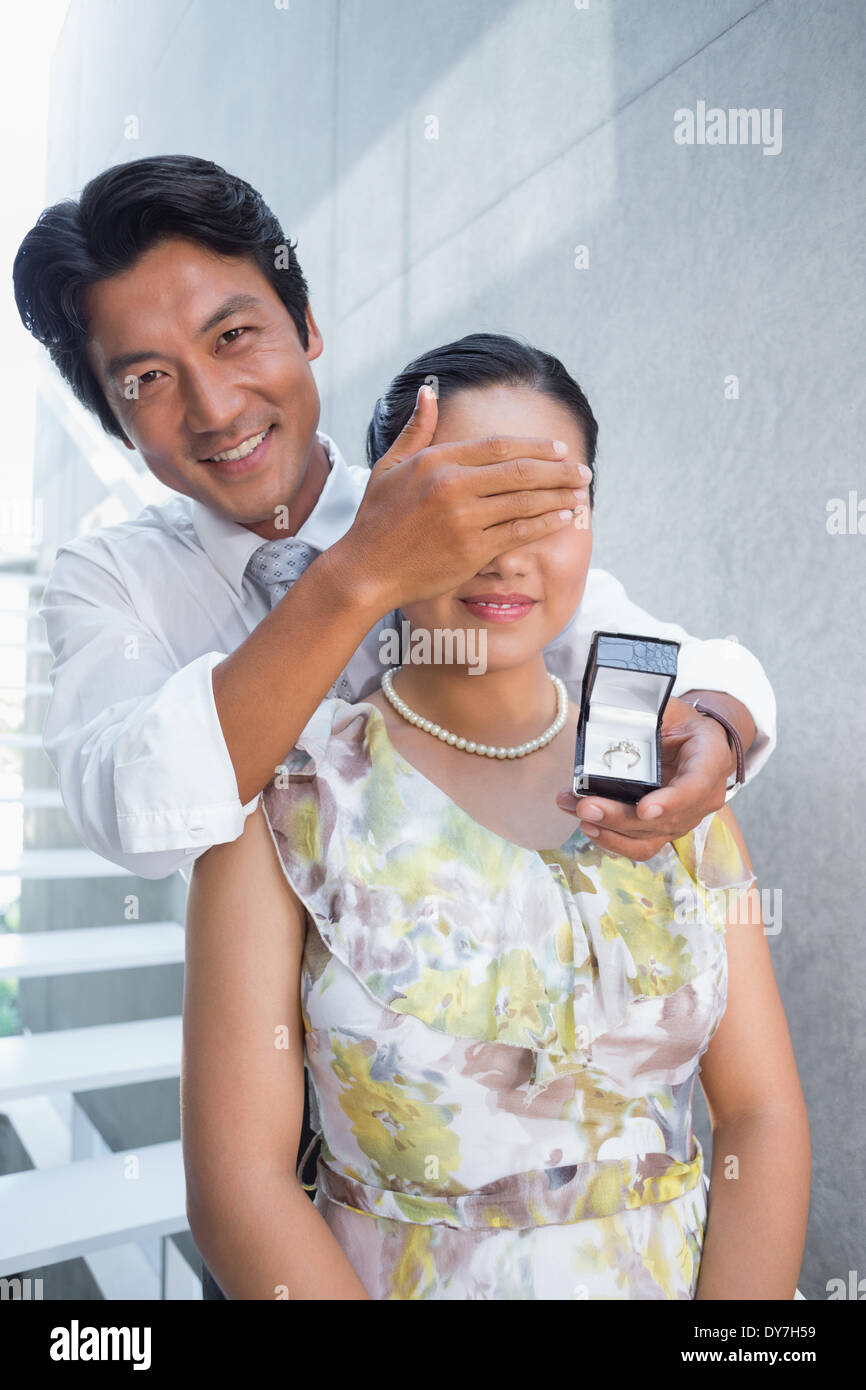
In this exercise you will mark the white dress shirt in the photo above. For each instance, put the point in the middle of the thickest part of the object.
(138, 614)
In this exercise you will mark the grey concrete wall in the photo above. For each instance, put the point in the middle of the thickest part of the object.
(556, 129)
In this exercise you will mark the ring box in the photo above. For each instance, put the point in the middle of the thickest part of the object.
(626, 686)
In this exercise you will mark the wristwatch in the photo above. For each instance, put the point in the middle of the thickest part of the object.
(739, 776)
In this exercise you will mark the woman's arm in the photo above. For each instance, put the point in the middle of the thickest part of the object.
(762, 1158)
(242, 1080)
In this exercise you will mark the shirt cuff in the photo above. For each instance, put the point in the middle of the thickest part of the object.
(174, 782)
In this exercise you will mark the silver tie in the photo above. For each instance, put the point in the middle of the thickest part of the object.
(274, 567)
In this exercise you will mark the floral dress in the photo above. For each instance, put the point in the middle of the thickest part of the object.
(502, 1043)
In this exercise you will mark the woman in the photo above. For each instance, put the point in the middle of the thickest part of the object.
(503, 1022)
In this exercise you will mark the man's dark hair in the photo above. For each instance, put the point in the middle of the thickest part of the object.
(478, 360)
(122, 213)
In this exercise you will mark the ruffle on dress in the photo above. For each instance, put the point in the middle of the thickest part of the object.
(441, 918)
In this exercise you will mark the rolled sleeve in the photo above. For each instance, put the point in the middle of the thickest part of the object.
(174, 782)
(145, 775)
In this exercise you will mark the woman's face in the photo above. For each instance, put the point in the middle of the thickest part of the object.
(550, 571)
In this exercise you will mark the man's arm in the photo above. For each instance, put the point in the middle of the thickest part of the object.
(262, 696)
(144, 771)
(728, 711)
(719, 670)
(697, 757)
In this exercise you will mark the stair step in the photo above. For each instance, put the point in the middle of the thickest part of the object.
(54, 1130)
(87, 1059)
(55, 1214)
(62, 863)
(33, 581)
(40, 798)
(25, 955)
(28, 688)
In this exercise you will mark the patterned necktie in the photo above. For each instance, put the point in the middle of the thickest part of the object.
(277, 564)
(274, 567)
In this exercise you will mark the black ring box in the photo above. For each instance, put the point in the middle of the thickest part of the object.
(628, 707)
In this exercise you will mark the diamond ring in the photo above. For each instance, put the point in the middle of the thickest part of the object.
(622, 747)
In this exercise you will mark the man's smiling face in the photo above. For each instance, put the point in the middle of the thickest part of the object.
(197, 355)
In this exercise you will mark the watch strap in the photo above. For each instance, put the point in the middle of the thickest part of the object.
(733, 737)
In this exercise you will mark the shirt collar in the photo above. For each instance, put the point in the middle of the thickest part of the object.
(229, 545)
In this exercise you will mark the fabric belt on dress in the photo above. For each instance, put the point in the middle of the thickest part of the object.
(541, 1197)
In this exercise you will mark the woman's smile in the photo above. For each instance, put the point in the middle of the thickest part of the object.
(499, 608)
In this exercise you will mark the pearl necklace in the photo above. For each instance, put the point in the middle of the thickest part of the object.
(484, 750)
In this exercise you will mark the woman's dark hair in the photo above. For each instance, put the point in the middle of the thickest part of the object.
(478, 360)
(121, 214)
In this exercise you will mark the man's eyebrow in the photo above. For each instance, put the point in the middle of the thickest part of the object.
(230, 306)
(233, 305)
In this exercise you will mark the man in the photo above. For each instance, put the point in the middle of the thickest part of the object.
(192, 644)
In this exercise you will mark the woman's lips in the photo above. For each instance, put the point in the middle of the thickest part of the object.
(501, 613)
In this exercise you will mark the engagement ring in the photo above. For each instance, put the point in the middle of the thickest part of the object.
(622, 747)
